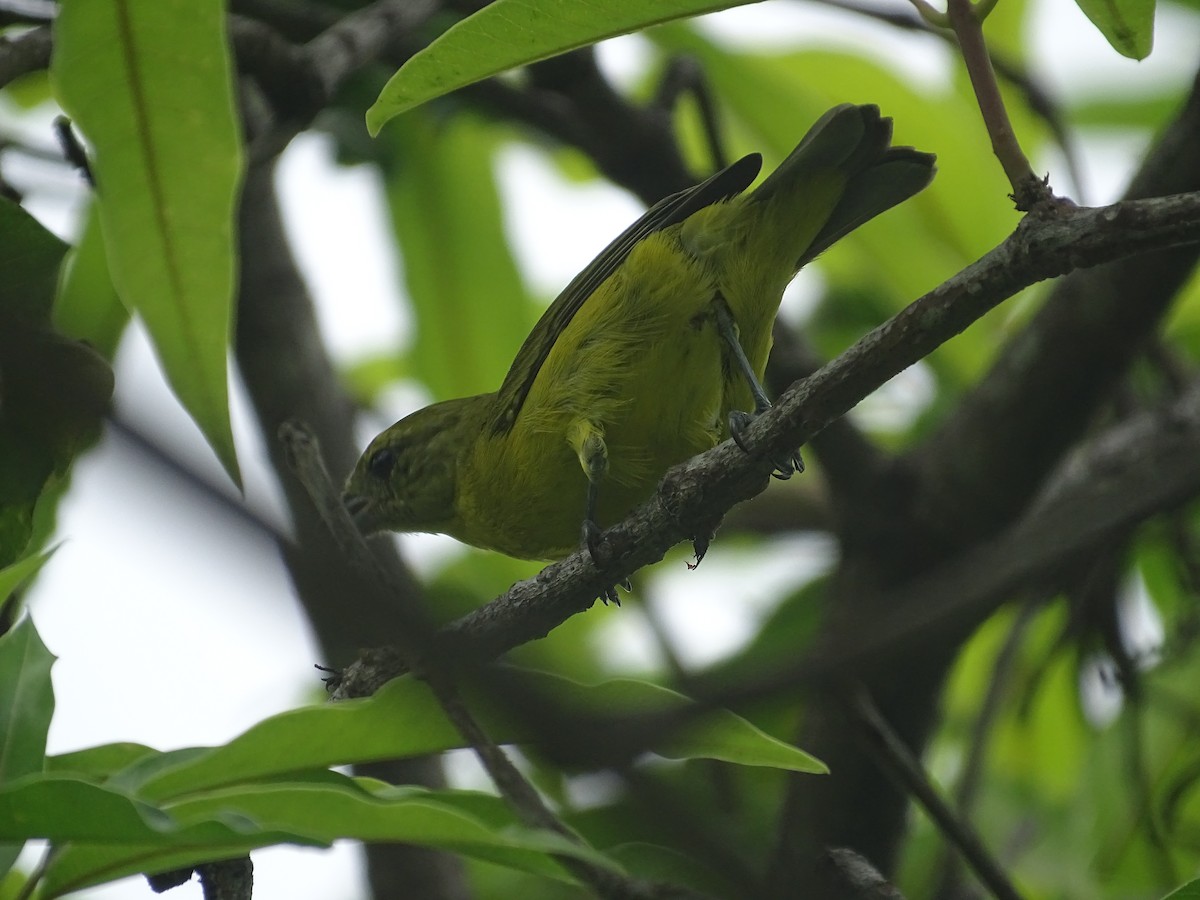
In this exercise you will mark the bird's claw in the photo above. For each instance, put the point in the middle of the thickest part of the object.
(739, 421)
(591, 540)
(794, 464)
(610, 593)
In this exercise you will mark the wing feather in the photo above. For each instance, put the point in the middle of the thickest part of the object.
(729, 182)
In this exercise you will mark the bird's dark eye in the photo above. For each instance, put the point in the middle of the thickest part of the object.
(381, 463)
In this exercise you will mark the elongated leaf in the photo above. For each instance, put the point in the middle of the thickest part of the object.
(403, 720)
(29, 258)
(149, 85)
(317, 814)
(26, 701)
(52, 389)
(98, 762)
(1189, 891)
(717, 734)
(12, 577)
(67, 808)
(1128, 25)
(88, 307)
(510, 33)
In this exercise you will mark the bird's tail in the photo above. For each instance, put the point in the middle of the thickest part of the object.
(848, 147)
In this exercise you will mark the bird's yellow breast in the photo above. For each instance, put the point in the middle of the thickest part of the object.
(642, 361)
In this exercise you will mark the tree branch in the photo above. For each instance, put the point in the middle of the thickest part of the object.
(703, 489)
(420, 652)
(25, 53)
(892, 754)
(1139, 469)
(1036, 96)
(287, 373)
(971, 479)
(965, 18)
(1044, 388)
(300, 81)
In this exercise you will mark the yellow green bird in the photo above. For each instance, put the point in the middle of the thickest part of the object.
(652, 354)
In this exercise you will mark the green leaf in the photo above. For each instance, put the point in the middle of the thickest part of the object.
(149, 85)
(29, 258)
(1128, 25)
(88, 307)
(716, 734)
(64, 808)
(403, 720)
(471, 308)
(510, 33)
(54, 389)
(12, 577)
(99, 762)
(55, 393)
(26, 701)
(368, 810)
(69, 808)
(314, 814)
(1189, 891)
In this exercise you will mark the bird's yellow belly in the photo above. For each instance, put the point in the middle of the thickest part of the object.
(642, 363)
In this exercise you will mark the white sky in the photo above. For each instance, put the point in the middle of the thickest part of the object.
(159, 640)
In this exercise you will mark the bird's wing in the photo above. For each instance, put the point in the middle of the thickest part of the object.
(730, 181)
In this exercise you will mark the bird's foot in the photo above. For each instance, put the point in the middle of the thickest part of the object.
(591, 540)
(739, 421)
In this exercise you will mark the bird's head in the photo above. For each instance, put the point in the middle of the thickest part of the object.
(406, 478)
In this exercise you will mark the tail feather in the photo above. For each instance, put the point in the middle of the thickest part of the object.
(898, 175)
(853, 142)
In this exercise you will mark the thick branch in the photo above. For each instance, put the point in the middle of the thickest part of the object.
(703, 489)
(28, 52)
(970, 480)
(287, 374)
(1049, 380)
(419, 652)
(300, 81)
(1142, 468)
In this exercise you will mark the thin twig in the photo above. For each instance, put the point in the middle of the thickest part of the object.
(1028, 189)
(1041, 103)
(895, 758)
(989, 710)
